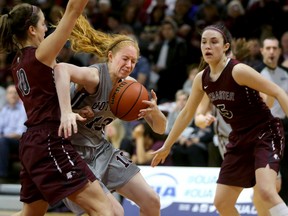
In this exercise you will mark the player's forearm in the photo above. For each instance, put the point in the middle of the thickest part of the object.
(180, 124)
(157, 122)
(62, 82)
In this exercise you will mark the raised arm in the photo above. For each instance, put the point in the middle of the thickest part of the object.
(51, 46)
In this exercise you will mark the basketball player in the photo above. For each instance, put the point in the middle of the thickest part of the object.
(222, 130)
(256, 141)
(51, 168)
(93, 87)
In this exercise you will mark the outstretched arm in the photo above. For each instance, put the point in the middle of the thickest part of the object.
(182, 121)
(51, 46)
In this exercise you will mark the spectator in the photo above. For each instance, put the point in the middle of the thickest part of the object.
(2, 97)
(211, 11)
(67, 55)
(131, 16)
(183, 12)
(190, 148)
(181, 98)
(283, 60)
(271, 52)
(141, 71)
(236, 21)
(55, 15)
(169, 60)
(12, 126)
(157, 14)
(254, 59)
(262, 15)
(146, 141)
(5, 73)
(191, 72)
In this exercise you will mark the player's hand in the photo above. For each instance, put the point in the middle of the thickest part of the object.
(209, 119)
(69, 124)
(152, 106)
(86, 112)
(160, 156)
(203, 121)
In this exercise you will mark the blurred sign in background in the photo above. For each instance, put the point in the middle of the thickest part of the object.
(187, 191)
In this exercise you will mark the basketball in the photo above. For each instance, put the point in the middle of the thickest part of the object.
(125, 99)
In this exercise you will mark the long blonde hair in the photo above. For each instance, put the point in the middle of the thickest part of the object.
(84, 38)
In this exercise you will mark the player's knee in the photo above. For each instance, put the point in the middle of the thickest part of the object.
(219, 204)
(105, 210)
(156, 201)
(152, 202)
(265, 192)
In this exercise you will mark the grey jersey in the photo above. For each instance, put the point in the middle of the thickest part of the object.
(109, 165)
(91, 132)
(280, 77)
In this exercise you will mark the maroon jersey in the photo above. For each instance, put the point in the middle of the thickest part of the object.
(35, 85)
(240, 106)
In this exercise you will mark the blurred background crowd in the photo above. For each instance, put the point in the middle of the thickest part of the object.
(168, 33)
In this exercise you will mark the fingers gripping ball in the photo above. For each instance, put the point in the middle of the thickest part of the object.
(125, 99)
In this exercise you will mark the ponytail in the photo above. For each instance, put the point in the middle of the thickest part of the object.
(84, 38)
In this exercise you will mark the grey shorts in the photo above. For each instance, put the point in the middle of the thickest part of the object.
(110, 166)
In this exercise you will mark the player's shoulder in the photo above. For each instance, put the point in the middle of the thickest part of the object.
(242, 67)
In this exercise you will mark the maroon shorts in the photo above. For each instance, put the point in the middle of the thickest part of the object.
(51, 168)
(246, 152)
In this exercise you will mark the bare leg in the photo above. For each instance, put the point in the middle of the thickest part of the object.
(225, 199)
(93, 200)
(117, 207)
(142, 194)
(36, 208)
(266, 181)
(259, 204)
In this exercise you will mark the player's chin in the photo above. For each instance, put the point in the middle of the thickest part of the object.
(207, 58)
(124, 74)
